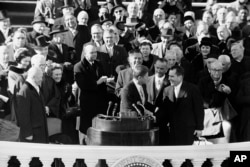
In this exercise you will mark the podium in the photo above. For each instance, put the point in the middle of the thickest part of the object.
(127, 129)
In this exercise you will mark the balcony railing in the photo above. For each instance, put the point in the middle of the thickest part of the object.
(118, 156)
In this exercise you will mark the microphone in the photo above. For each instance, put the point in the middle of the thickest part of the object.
(137, 110)
(156, 109)
(114, 109)
(110, 103)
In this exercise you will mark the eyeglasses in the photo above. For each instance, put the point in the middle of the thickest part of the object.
(118, 11)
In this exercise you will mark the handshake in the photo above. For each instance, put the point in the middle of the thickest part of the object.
(105, 79)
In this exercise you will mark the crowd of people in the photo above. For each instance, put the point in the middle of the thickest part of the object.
(79, 57)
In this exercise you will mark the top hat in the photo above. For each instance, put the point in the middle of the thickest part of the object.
(67, 3)
(57, 29)
(39, 19)
(131, 22)
(3, 15)
(166, 32)
(206, 41)
(104, 18)
(41, 41)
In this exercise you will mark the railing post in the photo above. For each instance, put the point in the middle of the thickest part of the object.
(197, 162)
(217, 162)
(4, 160)
(46, 161)
(177, 162)
(24, 161)
(91, 162)
(68, 162)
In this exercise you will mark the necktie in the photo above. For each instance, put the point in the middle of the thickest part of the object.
(141, 92)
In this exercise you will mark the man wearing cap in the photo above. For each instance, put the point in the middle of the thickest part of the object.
(42, 46)
(5, 30)
(39, 26)
(167, 35)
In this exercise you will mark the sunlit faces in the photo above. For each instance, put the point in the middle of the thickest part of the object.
(4, 24)
(143, 79)
(90, 53)
(171, 58)
(237, 51)
(103, 11)
(135, 59)
(242, 15)
(70, 21)
(208, 18)
(39, 27)
(58, 38)
(205, 50)
(161, 68)
(25, 62)
(174, 79)
(57, 74)
(145, 50)
(83, 18)
(158, 15)
(216, 70)
(132, 10)
(108, 38)
(96, 33)
(4, 54)
(38, 77)
(223, 32)
(19, 39)
(221, 15)
(231, 22)
(172, 19)
(116, 34)
(188, 24)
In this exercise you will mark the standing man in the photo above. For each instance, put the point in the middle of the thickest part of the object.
(31, 109)
(183, 107)
(89, 78)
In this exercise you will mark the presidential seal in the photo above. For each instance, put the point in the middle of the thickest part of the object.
(137, 161)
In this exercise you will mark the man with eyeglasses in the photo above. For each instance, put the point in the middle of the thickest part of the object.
(118, 12)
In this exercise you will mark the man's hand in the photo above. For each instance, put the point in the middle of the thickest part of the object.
(101, 80)
(198, 133)
(47, 110)
(226, 89)
(29, 138)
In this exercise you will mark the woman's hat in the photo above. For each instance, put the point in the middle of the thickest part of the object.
(206, 41)
(67, 3)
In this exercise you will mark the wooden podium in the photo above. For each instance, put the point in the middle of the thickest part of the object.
(126, 130)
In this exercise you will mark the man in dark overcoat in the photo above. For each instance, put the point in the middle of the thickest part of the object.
(89, 78)
(31, 109)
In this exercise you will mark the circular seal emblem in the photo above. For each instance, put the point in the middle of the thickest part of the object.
(137, 161)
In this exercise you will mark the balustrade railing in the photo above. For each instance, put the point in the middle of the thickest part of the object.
(118, 156)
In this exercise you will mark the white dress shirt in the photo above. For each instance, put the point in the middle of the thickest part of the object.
(140, 90)
(177, 89)
(158, 82)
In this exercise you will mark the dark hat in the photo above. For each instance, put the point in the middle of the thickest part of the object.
(3, 15)
(165, 32)
(131, 22)
(67, 3)
(104, 18)
(57, 29)
(206, 41)
(120, 24)
(39, 19)
(117, 6)
(188, 18)
(212, 55)
(41, 41)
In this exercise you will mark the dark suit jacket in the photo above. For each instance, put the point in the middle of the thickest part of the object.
(86, 77)
(108, 63)
(124, 77)
(185, 114)
(60, 57)
(31, 115)
(130, 96)
(154, 96)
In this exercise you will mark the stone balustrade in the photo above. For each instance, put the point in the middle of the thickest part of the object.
(118, 156)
